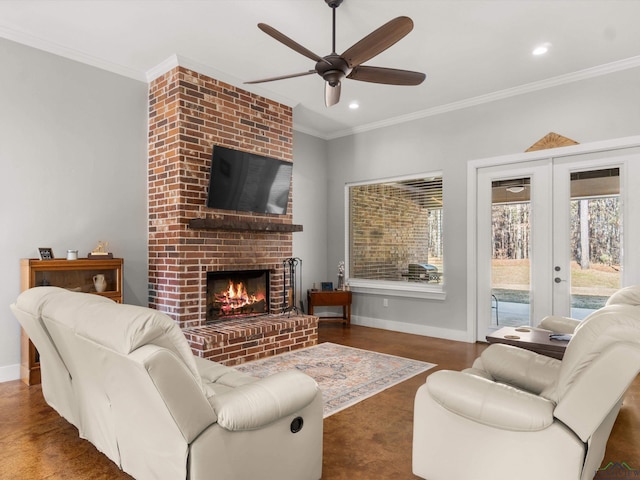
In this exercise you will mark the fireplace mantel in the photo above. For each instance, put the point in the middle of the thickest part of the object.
(235, 225)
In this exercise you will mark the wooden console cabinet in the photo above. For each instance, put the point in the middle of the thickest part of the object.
(323, 298)
(75, 275)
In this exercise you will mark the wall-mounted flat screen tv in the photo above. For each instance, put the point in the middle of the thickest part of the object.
(248, 182)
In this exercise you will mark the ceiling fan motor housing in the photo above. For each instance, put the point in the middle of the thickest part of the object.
(333, 69)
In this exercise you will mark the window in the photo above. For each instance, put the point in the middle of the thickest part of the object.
(395, 234)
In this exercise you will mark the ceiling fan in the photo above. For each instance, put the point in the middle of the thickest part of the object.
(333, 67)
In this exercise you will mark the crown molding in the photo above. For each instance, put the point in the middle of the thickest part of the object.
(69, 53)
(177, 60)
(148, 76)
(587, 73)
(309, 131)
(163, 67)
(181, 61)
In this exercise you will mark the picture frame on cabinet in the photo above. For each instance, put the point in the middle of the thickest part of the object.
(45, 253)
(326, 286)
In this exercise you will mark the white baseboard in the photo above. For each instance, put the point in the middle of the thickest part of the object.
(424, 330)
(9, 373)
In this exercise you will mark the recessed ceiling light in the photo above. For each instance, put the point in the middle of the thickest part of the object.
(354, 105)
(541, 49)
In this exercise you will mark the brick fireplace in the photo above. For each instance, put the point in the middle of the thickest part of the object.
(189, 113)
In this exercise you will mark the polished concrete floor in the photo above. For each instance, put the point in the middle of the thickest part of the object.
(371, 440)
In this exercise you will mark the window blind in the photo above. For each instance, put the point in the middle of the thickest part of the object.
(395, 224)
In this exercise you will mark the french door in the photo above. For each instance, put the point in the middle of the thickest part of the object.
(513, 244)
(550, 237)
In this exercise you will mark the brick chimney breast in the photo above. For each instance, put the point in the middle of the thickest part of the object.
(189, 113)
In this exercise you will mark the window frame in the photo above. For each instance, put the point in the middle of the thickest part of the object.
(389, 287)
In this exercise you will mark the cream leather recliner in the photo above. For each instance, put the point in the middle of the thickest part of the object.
(517, 414)
(125, 376)
(567, 325)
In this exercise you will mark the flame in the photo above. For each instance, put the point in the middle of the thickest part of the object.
(236, 297)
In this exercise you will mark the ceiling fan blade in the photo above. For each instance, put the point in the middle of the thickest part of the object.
(282, 77)
(331, 94)
(282, 38)
(378, 41)
(389, 76)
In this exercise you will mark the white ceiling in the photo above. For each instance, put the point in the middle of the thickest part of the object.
(471, 50)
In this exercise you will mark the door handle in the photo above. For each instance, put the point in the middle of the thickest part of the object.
(557, 279)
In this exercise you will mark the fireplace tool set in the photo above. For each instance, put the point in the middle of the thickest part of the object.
(291, 294)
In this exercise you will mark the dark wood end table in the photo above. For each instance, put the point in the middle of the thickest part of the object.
(331, 298)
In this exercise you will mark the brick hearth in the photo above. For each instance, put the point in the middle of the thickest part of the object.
(241, 340)
(189, 113)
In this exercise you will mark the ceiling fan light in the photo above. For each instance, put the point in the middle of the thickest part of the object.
(331, 94)
(354, 105)
(515, 189)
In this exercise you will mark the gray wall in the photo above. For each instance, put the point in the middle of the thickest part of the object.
(310, 209)
(601, 108)
(74, 156)
(74, 171)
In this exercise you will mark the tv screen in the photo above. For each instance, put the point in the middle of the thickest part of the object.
(248, 182)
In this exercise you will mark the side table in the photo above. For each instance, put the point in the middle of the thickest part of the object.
(530, 339)
(331, 298)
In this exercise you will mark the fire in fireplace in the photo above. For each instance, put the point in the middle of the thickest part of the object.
(233, 294)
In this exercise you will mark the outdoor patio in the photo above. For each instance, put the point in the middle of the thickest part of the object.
(513, 314)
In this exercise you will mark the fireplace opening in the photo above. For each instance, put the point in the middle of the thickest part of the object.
(233, 294)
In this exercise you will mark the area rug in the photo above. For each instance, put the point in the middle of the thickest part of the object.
(346, 375)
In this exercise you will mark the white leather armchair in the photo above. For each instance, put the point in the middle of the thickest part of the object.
(518, 414)
(567, 325)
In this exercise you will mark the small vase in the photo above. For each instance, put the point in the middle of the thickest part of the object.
(100, 283)
(340, 281)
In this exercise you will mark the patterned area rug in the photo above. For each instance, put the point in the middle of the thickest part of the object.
(345, 375)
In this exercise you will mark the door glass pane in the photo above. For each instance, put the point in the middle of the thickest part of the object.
(511, 252)
(596, 229)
